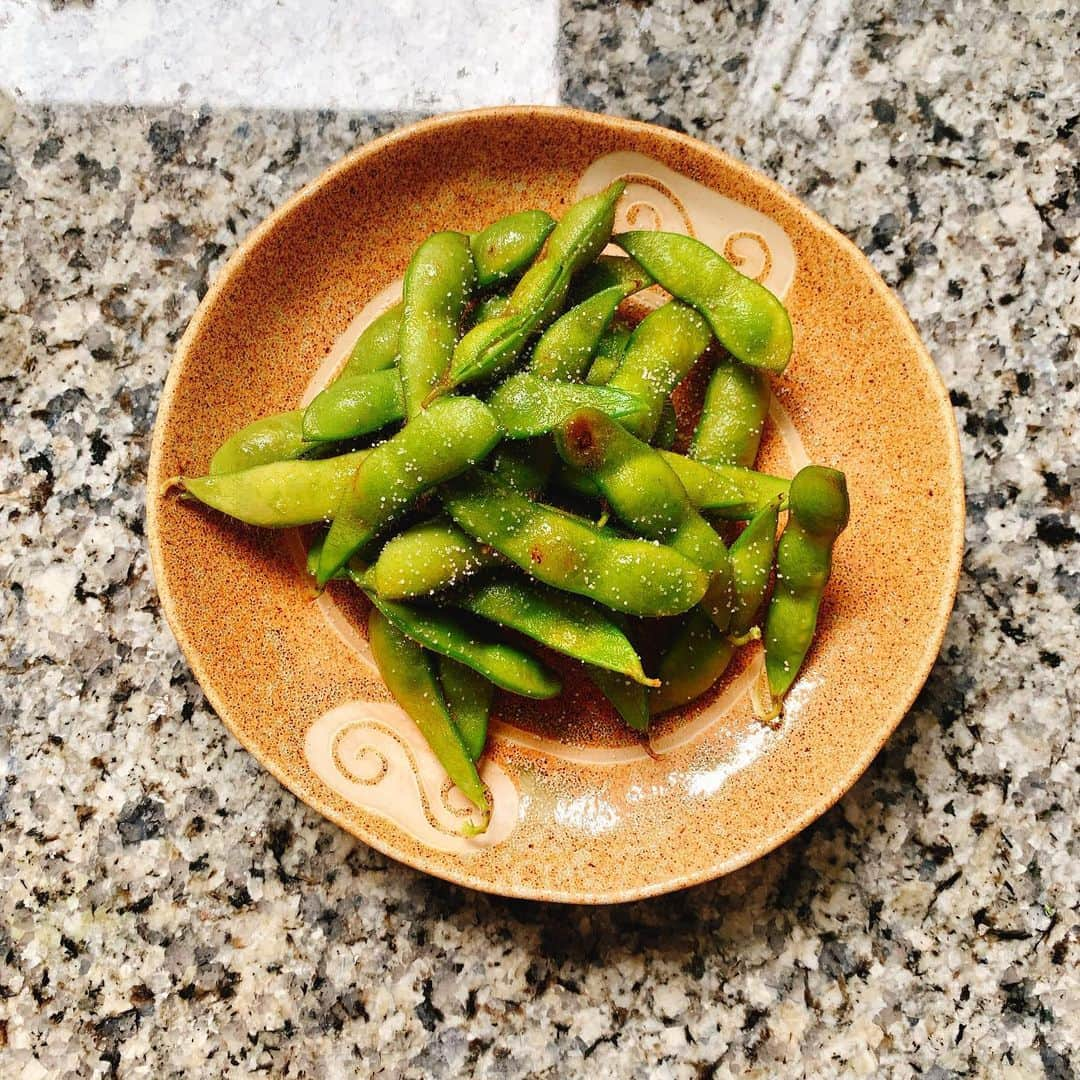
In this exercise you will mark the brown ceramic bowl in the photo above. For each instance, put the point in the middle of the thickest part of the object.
(582, 812)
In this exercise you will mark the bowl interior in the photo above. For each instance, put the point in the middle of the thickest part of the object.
(582, 813)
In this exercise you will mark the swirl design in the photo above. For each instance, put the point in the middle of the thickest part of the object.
(372, 755)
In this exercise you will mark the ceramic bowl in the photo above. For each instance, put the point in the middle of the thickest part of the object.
(583, 811)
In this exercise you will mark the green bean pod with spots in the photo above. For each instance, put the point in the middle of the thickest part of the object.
(279, 437)
(661, 350)
(569, 343)
(410, 676)
(468, 697)
(438, 283)
(747, 319)
(643, 491)
(751, 563)
(278, 495)
(448, 635)
(355, 406)
(506, 247)
(527, 404)
(633, 576)
(698, 654)
(733, 415)
(817, 513)
(493, 345)
(559, 620)
(442, 441)
(426, 559)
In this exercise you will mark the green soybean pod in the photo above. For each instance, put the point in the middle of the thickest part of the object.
(438, 282)
(442, 441)
(751, 563)
(733, 415)
(628, 698)
(727, 491)
(528, 404)
(426, 559)
(610, 272)
(643, 491)
(697, 656)
(818, 511)
(440, 631)
(468, 697)
(568, 344)
(660, 352)
(633, 576)
(410, 676)
(667, 429)
(279, 437)
(609, 353)
(281, 494)
(489, 307)
(524, 464)
(492, 346)
(376, 349)
(507, 246)
(747, 319)
(354, 406)
(562, 622)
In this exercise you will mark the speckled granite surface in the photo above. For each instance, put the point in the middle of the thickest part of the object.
(166, 909)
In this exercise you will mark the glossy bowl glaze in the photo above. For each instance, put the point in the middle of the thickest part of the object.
(582, 812)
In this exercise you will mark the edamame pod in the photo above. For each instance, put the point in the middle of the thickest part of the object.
(732, 415)
(427, 558)
(727, 491)
(492, 346)
(281, 494)
(376, 349)
(562, 622)
(468, 696)
(747, 319)
(490, 307)
(609, 353)
(633, 576)
(354, 406)
(524, 464)
(697, 656)
(643, 491)
(442, 441)
(817, 513)
(438, 282)
(667, 430)
(443, 633)
(279, 437)
(507, 246)
(568, 344)
(527, 404)
(628, 698)
(751, 563)
(410, 676)
(660, 352)
(607, 272)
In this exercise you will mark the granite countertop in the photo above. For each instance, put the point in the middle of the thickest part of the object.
(167, 909)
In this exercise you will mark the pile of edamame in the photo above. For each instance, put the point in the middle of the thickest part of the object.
(496, 453)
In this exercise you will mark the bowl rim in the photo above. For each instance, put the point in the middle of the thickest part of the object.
(794, 824)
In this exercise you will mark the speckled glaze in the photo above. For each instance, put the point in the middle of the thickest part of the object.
(861, 391)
